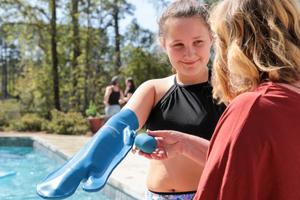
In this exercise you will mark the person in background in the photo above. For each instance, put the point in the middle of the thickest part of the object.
(254, 153)
(130, 88)
(113, 94)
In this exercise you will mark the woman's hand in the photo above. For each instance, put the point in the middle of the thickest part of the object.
(169, 144)
(173, 143)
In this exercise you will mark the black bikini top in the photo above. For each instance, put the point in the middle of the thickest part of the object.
(186, 108)
(114, 98)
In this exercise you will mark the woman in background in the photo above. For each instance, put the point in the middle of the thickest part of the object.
(113, 95)
(129, 90)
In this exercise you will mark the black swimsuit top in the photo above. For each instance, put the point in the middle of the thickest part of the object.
(189, 109)
(127, 91)
(114, 98)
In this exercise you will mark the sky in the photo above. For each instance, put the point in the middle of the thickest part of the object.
(145, 13)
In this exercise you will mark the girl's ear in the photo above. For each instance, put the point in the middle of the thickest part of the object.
(162, 42)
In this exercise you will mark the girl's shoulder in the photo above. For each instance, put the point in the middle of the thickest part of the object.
(157, 87)
(159, 83)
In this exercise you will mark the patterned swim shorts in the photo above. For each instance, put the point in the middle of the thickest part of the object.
(172, 196)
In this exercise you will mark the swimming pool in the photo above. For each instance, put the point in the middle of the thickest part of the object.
(31, 166)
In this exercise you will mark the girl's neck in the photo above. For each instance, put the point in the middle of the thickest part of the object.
(190, 80)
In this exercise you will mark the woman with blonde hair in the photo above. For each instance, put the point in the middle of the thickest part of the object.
(254, 153)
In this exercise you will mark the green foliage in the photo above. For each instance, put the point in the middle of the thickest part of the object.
(34, 89)
(28, 122)
(139, 37)
(10, 110)
(92, 110)
(143, 65)
(71, 123)
(26, 25)
(3, 120)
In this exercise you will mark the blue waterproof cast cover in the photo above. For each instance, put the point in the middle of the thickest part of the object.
(94, 163)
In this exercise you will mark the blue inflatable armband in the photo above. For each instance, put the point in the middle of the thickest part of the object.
(145, 143)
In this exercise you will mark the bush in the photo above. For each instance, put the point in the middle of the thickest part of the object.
(91, 111)
(71, 123)
(9, 111)
(3, 120)
(28, 122)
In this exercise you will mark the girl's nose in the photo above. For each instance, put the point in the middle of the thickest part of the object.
(190, 52)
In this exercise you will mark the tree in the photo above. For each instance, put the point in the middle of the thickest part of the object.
(76, 53)
(118, 9)
(159, 4)
(55, 75)
(3, 54)
(143, 65)
(9, 57)
(65, 60)
(34, 26)
(87, 54)
(142, 58)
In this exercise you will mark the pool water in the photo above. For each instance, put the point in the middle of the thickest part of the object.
(31, 166)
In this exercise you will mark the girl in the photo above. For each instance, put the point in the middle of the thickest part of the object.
(182, 101)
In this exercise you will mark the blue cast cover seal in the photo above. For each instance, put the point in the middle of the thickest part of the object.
(94, 163)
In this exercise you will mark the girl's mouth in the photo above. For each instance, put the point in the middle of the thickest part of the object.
(189, 62)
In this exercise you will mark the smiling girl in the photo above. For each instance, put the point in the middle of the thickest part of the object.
(182, 101)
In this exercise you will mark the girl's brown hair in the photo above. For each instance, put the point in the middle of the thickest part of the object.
(180, 9)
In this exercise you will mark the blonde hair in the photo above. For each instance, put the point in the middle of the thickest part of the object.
(256, 41)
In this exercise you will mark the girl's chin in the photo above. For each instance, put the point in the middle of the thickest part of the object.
(192, 68)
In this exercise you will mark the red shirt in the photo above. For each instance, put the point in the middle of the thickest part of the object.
(255, 150)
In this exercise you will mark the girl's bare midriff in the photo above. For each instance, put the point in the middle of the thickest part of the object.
(178, 174)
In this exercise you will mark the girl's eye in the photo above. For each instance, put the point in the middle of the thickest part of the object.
(178, 45)
(198, 42)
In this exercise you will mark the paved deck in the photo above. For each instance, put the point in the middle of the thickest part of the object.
(129, 176)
